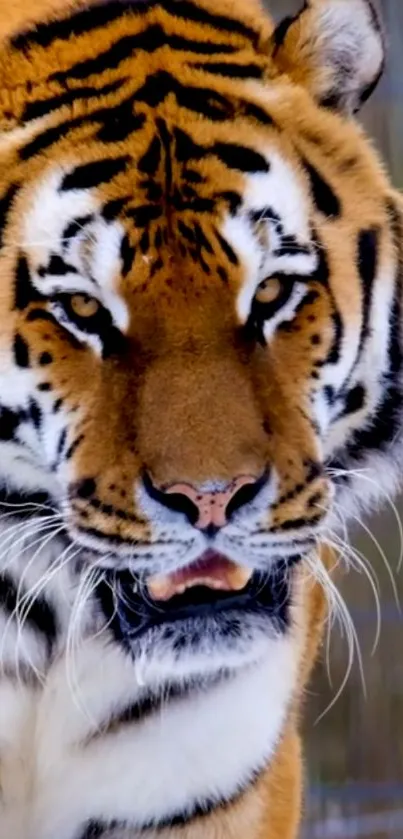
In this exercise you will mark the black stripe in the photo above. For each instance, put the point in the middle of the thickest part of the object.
(354, 401)
(233, 71)
(326, 200)
(385, 426)
(296, 524)
(42, 314)
(151, 704)
(35, 413)
(228, 250)
(34, 110)
(57, 267)
(9, 423)
(116, 124)
(101, 15)
(40, 617)
(166, 139)
(75, 227)
(21, 351)
(114, 207)
(367, 263)
(188, 11)
(281, 32)
(96, 829)
(90, 175)
(149, 40)
(127, 254)
(78, 24)
(6, 203)
(25, 292)
(49, 137)
(240, 157)
(203, 101)
(74, 446)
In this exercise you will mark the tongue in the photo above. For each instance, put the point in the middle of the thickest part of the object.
(212, 570)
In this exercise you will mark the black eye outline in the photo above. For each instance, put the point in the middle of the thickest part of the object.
(262, 312)
(98, 324)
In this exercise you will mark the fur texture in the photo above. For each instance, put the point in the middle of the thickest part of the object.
(200, 256)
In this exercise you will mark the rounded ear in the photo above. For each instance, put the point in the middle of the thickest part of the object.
(335, 48)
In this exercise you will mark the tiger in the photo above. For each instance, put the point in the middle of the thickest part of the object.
(200, 383)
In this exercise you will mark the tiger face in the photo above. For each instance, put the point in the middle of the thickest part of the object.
(199, 304)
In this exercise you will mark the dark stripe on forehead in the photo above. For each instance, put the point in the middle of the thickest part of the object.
(149, 40)
(34, 110)
(78, 24)
(232, 71)
(101, 15)
(204, 101)
(93, 174)
(115, 124)
(189, 11)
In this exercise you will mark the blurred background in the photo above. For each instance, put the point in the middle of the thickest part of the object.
(354, 759)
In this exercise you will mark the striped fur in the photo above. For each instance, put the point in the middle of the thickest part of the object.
(201, 281)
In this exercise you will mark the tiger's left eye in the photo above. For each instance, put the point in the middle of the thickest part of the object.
(84, 306)
(269, 291)
(271, 296)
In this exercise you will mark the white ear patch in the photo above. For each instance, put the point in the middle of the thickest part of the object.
(351, 45)
(337, 47)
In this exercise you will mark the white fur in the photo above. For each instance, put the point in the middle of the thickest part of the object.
(346, 38)
(197, 748)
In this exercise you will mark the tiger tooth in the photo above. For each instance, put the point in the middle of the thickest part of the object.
(234, 578)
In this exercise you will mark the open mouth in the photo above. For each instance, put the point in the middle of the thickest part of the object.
(210, 587)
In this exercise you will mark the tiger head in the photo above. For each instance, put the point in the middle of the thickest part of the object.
(200, 305)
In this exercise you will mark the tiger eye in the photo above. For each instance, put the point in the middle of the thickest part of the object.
(269, 291)
(84, 306)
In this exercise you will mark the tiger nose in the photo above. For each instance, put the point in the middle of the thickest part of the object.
(208, 511)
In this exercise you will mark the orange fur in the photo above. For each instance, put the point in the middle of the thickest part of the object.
(183, 328)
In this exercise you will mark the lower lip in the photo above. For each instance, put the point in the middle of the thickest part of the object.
(133, 615)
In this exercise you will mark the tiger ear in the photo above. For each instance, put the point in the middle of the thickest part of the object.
(335, 48)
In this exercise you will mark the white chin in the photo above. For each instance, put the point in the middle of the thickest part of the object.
(197, 652)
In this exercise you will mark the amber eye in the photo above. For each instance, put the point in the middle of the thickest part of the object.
(84, 311)
(271, 295)
(84, 306)
(269, 291)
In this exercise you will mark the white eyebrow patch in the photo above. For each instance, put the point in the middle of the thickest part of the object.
(277, 203)
(282, 190)
(94, 253)
(48, 215)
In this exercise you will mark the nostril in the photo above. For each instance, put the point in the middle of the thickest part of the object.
(176, 501)
(209, 511)
(245, 495)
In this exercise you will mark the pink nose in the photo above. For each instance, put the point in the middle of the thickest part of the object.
(212, 510)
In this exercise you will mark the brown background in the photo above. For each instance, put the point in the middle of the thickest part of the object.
(355, 752)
